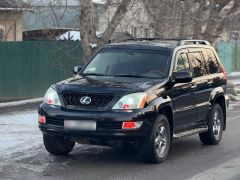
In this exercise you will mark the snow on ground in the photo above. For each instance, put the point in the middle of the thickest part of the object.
(70, 35)
(73, 36)
(99, 1)
(19, 133)
(22, 150)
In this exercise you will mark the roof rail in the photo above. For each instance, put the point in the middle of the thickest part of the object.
(154, 39)
(194, 41)
(178, 40)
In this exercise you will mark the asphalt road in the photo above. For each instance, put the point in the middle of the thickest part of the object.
(22, 156)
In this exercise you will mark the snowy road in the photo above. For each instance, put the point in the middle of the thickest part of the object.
(22, 156)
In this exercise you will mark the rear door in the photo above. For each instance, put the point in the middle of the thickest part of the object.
(202, 82)
(213, 66)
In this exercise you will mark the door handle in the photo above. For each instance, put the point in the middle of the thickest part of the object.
(209, 82)
(194, 86)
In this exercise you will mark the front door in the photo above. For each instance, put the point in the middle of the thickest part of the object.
(182, 95)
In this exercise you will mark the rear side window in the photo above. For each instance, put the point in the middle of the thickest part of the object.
(198, 64)
(211, 61)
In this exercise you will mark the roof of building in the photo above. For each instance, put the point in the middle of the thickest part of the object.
(43, 18)
(13, 5)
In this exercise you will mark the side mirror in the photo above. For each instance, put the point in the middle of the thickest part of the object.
(182, 77)
(77, 69)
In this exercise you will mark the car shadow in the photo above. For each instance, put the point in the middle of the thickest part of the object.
(88, 158)
(87, 154)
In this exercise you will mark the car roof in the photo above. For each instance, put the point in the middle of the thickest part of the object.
(144, 45)
(158, 44)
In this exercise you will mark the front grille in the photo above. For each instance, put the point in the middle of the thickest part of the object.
(54, 121)
(98, 101)
(109, 125)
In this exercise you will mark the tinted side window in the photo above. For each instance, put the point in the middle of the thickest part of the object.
(211, 61)
(198, 64)
(182, 62)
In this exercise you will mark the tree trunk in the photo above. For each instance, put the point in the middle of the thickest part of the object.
(215, 19)
(185, 20)
(87, 28)
(116, 20)
(197, 31)
(221, 26)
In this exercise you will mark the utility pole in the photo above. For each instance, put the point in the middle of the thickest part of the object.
(235, 37)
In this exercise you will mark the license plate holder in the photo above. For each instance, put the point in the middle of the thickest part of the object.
(80, 125)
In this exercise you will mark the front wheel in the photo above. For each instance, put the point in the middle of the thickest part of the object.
(58, 145)
(215, 126)
(156, 148)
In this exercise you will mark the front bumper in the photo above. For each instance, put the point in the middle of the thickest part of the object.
(108, 123)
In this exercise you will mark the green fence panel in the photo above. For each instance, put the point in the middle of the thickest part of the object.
(28, 68)
(229, 53)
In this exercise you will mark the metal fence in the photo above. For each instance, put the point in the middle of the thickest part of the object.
(28, 68)
(229, 53)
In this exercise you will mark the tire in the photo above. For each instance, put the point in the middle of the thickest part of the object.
(156, 147)
(58, 145)
(215, 126)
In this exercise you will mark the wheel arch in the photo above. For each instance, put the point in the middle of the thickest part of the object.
(168, 112)
(163, 105)
(220, 99)
(218, 96)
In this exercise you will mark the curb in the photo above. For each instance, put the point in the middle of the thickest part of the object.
(20, 105)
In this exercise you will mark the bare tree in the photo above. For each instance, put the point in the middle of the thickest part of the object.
(219, 12)
(88, 26)
(205, 19)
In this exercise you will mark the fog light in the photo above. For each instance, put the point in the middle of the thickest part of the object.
(132, 125)
(42, 119)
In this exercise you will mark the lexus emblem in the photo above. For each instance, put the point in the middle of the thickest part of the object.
(85, 100)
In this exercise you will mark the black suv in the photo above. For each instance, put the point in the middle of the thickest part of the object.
(138, 93)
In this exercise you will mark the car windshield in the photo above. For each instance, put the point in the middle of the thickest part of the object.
(129, 63)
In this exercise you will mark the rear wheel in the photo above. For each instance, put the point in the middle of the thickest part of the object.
(215, 126)
(58, 145)
(156, 148)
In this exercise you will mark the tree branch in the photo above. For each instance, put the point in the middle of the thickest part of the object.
(116, 20)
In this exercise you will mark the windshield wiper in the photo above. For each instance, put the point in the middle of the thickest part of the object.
(119, 75)
(93, 74)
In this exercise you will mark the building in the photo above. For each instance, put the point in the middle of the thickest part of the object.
(46, 18)
(136, 20)
(45, 34)
(52, 16)
(11, 12)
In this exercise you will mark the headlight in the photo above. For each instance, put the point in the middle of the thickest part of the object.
(52, 98)
(132, 101)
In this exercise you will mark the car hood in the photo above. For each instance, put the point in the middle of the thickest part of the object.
(107, 84)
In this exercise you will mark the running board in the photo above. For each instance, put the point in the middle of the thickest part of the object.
(190, 132)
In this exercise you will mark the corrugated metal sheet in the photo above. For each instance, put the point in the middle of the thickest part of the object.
(229, 53)
(27, 69)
